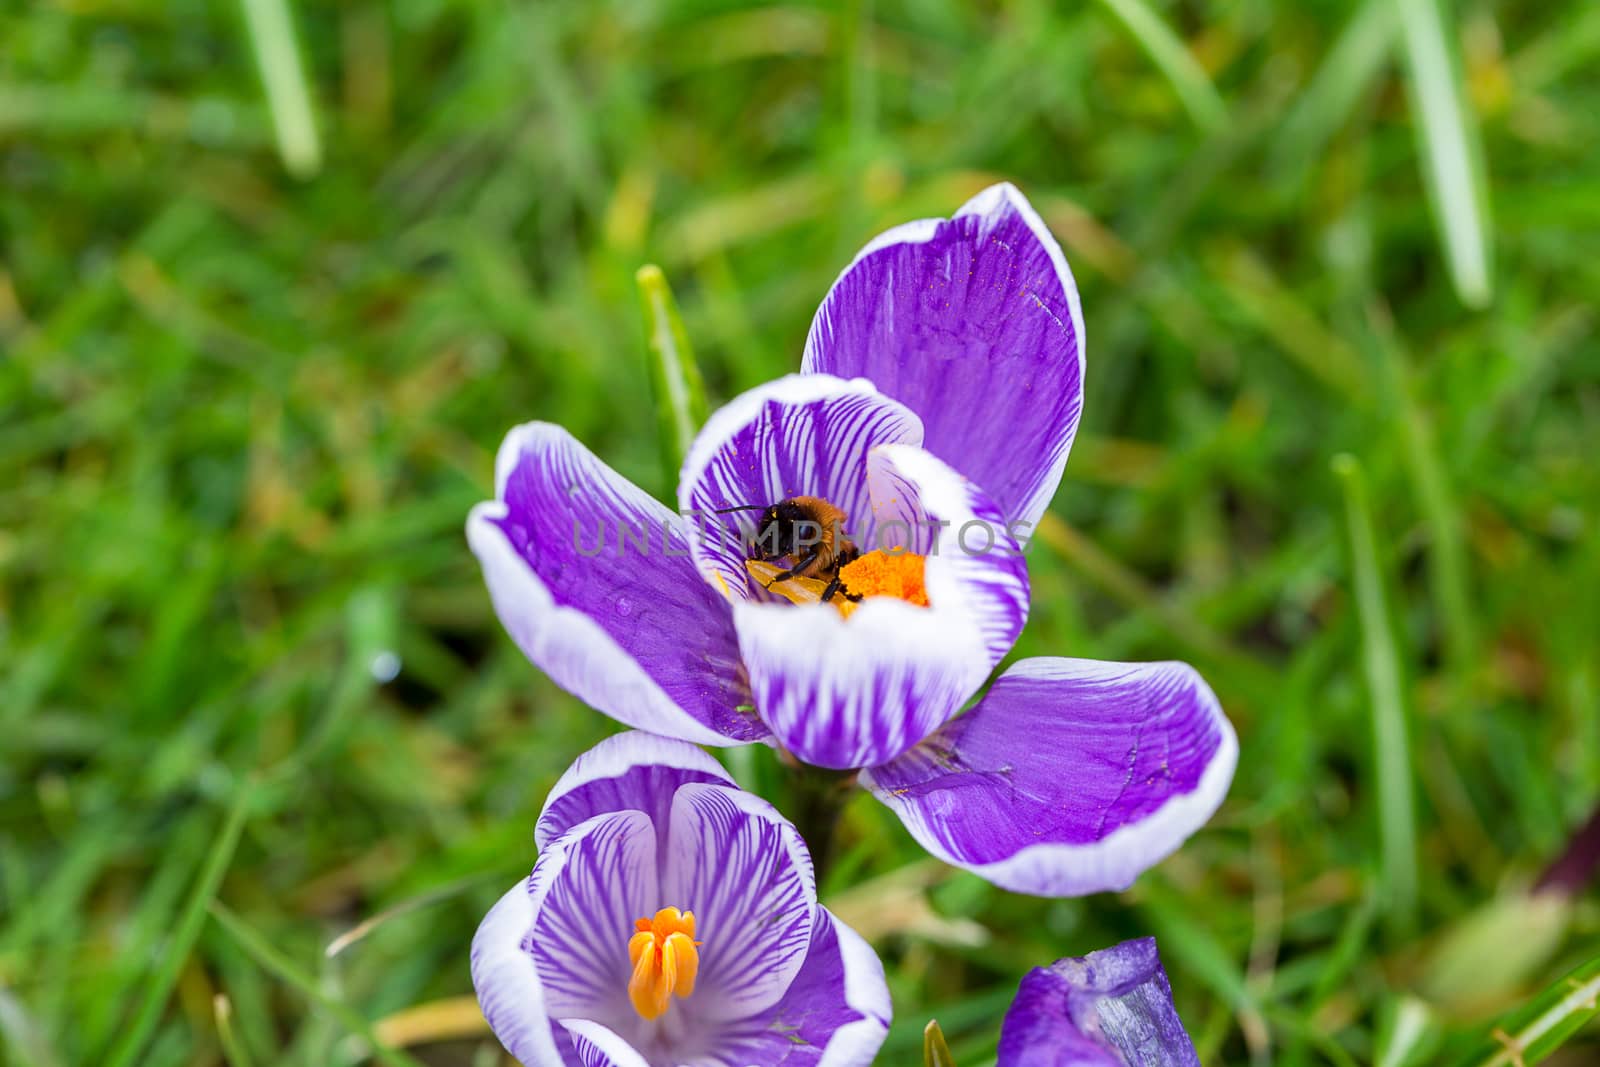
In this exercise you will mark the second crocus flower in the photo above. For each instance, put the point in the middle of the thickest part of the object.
(672, 919)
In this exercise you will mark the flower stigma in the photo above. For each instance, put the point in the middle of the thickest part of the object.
(896, 574)
(666, 959)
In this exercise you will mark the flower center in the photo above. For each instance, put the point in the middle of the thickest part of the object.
(666, 959)
(877, 573)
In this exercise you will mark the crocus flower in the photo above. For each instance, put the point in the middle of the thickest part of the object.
(672, 919)
(1111, 1008)
(941, 388)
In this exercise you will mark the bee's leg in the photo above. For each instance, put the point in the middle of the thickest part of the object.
(792, 571)
(837, 587)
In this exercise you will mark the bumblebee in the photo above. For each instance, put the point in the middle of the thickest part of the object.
(809, 532)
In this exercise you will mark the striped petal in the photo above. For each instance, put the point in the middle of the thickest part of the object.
(554, 947)
(625, 625)
(745, 873)
(588, 888)
(1069, 776)
(855, 692)
(975, 561)
(1111, 1008)
(595, 1045)
(836, 1013)
(973, 323)
(797, 436)
(632, 771)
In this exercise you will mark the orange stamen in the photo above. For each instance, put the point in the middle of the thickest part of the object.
(666, 961)
(880, 573)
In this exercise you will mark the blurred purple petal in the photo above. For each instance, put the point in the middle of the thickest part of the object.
(803, 435)
(634, 631)
(1069, 776)
(1111, 1008)
(633, 771)
(745, 873)
(974, 324)
(835, 1014)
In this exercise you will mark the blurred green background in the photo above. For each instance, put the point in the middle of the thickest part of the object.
(267, 755)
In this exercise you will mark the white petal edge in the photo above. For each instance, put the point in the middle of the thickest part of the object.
(515, 1008)
(615, 1049)
(1115, 861)
(617, 755)
(603, 674)
(953, 578)
(921, 231)
(866, 990)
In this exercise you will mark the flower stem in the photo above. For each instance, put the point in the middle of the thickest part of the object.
(817, 796)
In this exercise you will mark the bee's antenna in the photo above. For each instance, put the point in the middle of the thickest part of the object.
(740, 507)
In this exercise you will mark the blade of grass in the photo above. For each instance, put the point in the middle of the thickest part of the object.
(1541, 1026)
(1350, 69)
(1408, 1034)
(1129, 587)
(447, 1019)
(262, 951)
(405, 907)
(1391, 745)
(1447, 560)
(674, 375)
(1188, 79)
(20, 1034)
(232, 1047)
(271, 31)
(1451, 168)
(159, 987)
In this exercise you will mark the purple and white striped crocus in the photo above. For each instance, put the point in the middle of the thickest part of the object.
(672, 919)
(940, 393)
(1111, 1008)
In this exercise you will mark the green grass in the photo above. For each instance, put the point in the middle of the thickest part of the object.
(264, 323)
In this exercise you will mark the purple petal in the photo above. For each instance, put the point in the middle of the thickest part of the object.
(797, 436)
(846, 693)
(974, 324)
(1111, 1008)
(633, 631)
(975, 562)
(745, 873)
(857, 692)
(587, 889)
(1069, 776)
(835, 1014)
(633, 771)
